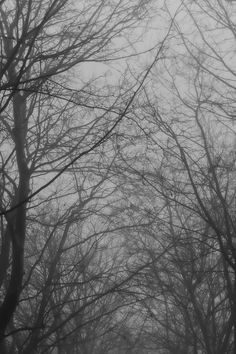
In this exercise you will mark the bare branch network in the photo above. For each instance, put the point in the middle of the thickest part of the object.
(117, 177)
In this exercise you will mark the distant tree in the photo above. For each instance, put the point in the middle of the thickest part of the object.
(180, 176)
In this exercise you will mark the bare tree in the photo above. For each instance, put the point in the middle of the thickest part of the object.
(183, 175)
(48, 114)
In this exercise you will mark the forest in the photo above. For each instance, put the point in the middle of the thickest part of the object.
(117, 177)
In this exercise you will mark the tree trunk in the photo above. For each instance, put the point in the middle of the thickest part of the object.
(17, 219)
